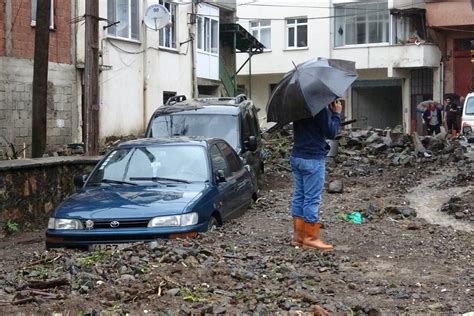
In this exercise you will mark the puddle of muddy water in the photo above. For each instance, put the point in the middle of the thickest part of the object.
(427, 199)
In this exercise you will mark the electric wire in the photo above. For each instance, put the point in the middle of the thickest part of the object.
(408, 5)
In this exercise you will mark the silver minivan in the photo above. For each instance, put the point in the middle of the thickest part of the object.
(468, 114)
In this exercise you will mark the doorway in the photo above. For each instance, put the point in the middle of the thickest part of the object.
(377, 103)
(463, 73)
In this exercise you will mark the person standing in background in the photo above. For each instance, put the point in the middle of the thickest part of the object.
(452, 111)
(459, 114)
(433, 119)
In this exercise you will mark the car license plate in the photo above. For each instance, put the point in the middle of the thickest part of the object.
(109, 247)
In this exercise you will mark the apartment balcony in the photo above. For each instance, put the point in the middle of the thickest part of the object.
(390, 56)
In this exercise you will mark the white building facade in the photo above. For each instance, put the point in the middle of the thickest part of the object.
(140, 67)
(290, 36)
(397, 65)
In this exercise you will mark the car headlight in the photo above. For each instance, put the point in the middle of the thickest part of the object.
(64, 223)
(174, 220)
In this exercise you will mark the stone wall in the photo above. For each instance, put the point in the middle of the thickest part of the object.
(16, 76)
(31, 188)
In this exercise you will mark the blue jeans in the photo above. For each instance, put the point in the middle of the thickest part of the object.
(309, 184)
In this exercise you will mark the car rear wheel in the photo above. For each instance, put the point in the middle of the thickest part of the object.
(212, 225)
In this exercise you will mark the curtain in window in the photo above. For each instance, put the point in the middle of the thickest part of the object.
(200, 33)
(214, 36)
(361, 23)
(266, 37)
(125, 12)
(122, 14)
(206, 34)
(134, 15)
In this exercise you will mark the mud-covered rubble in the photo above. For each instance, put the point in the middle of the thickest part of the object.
(369, 145)
(385, 161)
(461, 206)
(249, 267)
(394, 262)
(227, 279)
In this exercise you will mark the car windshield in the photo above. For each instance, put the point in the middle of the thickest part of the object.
(140, 165)
(207, 125)
(470, 106)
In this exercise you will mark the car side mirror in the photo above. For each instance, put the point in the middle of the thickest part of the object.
(80, 180)
(251, 143)
(220, 176)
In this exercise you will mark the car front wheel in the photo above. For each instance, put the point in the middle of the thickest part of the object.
(212, 225)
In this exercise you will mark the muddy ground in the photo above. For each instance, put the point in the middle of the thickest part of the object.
(406, 257)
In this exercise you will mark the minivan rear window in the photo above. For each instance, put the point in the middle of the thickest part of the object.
(206, 125)
(470, 106)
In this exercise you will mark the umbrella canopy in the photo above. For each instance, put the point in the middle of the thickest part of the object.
(310, 87)
(423, 106)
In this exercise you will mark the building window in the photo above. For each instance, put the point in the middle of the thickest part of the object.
(208, 34)
(361, 23)
(168, 33)
(126, 13)
(262, 31)
(408, 28)
(33, 14)
(297, 32)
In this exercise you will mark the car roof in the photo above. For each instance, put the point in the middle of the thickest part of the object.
(159, 141)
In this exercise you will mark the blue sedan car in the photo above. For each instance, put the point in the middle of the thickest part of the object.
(154, 188)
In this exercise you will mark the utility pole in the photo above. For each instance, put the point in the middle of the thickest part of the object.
(91, 86)
(40, 78)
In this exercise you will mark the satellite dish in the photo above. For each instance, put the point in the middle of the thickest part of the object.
(157, 17)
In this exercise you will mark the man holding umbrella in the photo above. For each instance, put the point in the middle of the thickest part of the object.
(308, 160)
(302, 97)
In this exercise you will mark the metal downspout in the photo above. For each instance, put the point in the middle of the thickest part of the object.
(192, 36)
(145, 118)
(234, 56)
(250, 74)
(441, 97)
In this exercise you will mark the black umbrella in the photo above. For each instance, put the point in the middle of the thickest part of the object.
(310, 87)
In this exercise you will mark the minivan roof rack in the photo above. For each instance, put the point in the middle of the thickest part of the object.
(232, 100)
(175, 99)
(240, 98)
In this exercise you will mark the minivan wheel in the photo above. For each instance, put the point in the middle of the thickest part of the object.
(212, 225)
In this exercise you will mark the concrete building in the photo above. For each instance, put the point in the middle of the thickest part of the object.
(141, 68)
(290, 34)
(17, 31)
(451, 25)
(397, 63)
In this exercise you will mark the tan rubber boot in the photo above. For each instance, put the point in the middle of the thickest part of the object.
(298, 228)
(311, 238)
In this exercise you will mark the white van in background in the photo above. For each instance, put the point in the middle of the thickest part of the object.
(468, 114)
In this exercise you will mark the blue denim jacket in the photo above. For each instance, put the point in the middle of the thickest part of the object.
(309, 135)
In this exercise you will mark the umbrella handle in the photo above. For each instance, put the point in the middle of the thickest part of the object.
(348, 122)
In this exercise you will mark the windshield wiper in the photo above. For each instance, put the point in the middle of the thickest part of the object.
(158, 179)
(116, 181)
